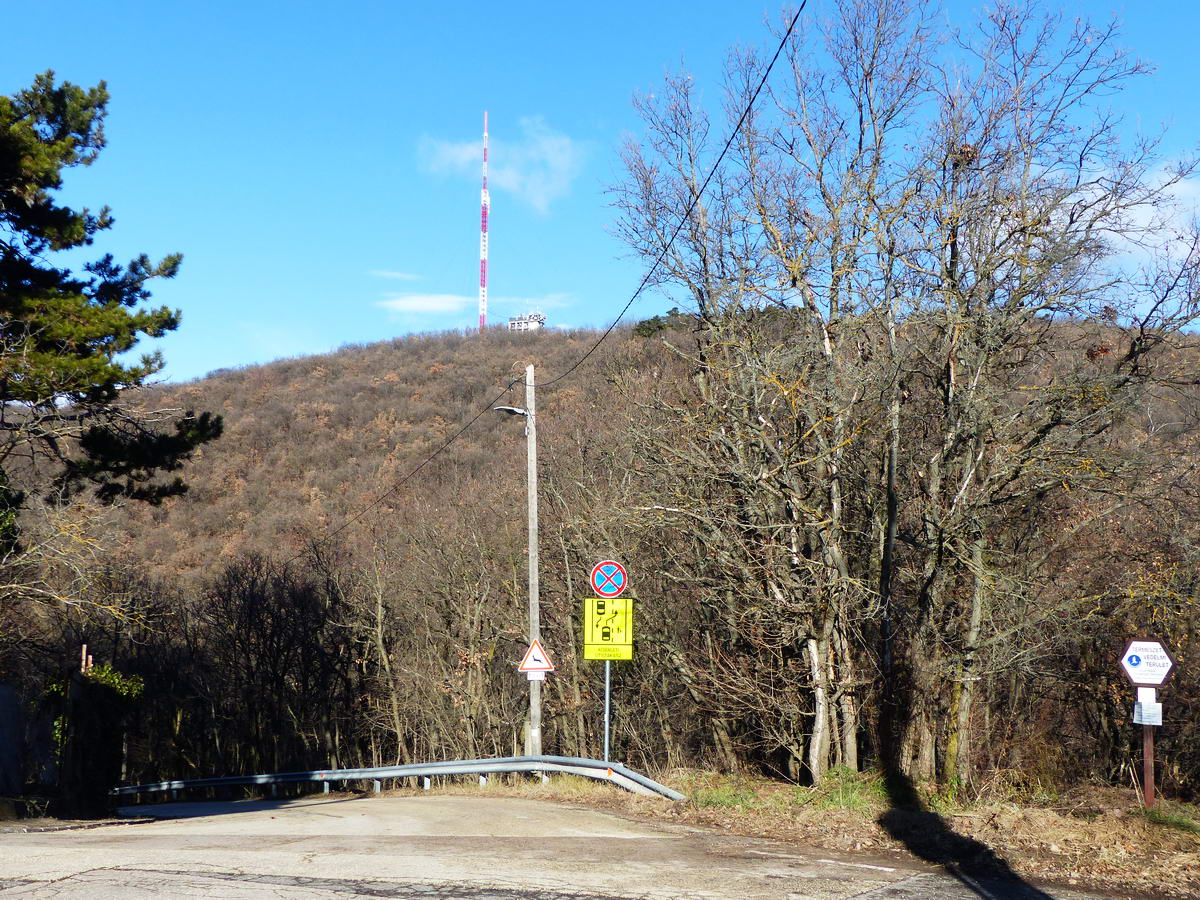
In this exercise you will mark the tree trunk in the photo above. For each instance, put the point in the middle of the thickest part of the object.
(958, 762)
(818, 744)
(402, 754)
(846, 702)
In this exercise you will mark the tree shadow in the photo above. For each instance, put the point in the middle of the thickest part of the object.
(927, 835)
(195, 809)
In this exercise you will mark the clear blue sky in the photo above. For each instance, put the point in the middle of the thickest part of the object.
(314, 162)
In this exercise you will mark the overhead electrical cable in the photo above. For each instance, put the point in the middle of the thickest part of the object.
(691, 206)
(350, 520)
(609, 330)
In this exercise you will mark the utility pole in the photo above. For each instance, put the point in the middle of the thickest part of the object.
(535, 630)
(533, 738)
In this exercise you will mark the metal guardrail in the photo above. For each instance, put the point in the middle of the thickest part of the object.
(573, 765)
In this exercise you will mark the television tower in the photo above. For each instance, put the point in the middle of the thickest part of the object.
(485, 205)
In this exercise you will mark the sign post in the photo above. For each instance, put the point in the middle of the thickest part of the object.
(607, 704)
(608, 627)
(1148, 665)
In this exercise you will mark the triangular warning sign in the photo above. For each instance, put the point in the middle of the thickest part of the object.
(536, 659)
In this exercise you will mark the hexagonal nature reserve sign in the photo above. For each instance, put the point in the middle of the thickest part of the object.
(1147, 662)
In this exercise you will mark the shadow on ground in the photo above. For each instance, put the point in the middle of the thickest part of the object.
(928, 836)
(205, 808)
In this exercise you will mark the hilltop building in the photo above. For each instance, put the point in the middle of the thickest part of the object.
(527, 322)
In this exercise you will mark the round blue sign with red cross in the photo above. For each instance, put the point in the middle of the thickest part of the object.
(609, 578)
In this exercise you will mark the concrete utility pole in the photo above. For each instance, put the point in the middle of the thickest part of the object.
(535, 629)
(533, 741)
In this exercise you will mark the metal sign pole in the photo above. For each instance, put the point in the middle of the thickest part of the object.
(607, 707)
(1148, 763)
(608, 629)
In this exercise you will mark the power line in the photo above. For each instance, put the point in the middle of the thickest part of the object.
(412, 472)
(691, 206)
(609, 330)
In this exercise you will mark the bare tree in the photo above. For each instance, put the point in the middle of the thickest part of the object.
(882, 277)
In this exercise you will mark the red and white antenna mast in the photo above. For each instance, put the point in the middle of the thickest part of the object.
(485, 206)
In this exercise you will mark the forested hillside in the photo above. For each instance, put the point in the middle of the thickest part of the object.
(313, 440)
(272, 632)
(916, 459)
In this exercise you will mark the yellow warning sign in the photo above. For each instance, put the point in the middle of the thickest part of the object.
(608, 628)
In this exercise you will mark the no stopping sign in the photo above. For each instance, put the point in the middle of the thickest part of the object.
(609, 578)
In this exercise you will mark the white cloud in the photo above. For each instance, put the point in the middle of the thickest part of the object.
(448, 304)
(546, 301)
(270, 341)
(537, 168)
(1151, 228)
(1185, 195)
(1176, 208)
(437, 304)
(395, 276)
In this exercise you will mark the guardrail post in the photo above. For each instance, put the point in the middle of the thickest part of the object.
(325, 785)
(376, 784)
(425, 782)
(483, 781)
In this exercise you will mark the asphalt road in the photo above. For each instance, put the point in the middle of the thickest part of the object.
(444, 847)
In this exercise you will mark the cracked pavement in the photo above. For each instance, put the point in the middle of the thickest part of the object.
(482, 848)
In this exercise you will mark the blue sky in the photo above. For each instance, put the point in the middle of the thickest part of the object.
(317, 163)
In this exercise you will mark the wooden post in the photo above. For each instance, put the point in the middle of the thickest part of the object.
(1148, 764)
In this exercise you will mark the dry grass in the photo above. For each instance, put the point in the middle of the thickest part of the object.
(1096, 838)
(560, 788)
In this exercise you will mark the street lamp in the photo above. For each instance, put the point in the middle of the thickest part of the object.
(534, 742)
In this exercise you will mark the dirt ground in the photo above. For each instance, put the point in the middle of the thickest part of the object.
(1093, 838)
(30, 826)
(1113, 850)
